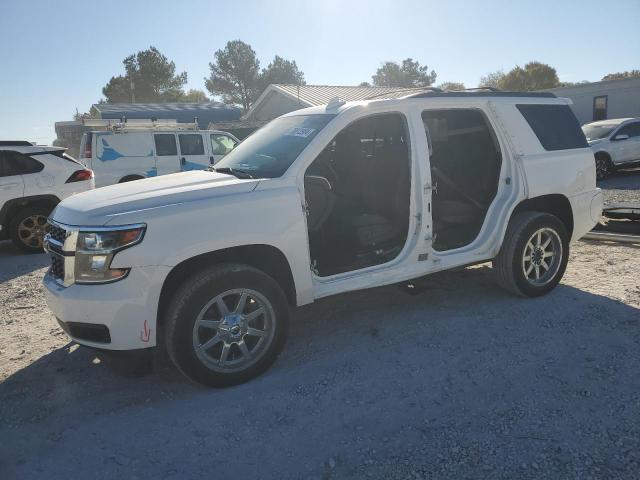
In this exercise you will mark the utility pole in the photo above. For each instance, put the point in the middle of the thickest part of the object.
(133, 94)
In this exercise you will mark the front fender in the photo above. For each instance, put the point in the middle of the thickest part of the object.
(175, 233)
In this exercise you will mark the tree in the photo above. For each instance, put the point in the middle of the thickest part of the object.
(451, 86)
(149, 77)
(492, 79)
(364, 84)
(194, 96)
(280, 71)
(533, 76)
(622, 75)
(234, 74)
(409, 74)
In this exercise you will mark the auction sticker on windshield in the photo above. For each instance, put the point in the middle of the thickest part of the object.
(300, 132)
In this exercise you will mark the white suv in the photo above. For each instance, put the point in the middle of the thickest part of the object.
(33, 179)
(318, 202)
(615, 143)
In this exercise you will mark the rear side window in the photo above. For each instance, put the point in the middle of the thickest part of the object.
(191, 144)
(165, 144)
(555, 126)
(15, 163)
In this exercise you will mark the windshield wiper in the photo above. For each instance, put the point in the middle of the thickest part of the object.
(236, 172)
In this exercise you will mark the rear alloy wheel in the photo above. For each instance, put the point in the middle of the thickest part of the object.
(603, 167)
(534, 254)
(27, 228)
(226, 324)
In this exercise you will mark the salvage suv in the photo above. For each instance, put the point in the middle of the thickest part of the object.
(322, 201)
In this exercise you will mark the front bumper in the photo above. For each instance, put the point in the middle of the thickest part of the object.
(127, 308)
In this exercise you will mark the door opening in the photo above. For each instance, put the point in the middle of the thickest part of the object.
(465, 169)
(357, 193)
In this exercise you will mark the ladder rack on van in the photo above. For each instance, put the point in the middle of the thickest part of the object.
(132, 125)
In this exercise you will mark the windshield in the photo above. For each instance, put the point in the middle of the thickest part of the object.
(270, 151)
(596, 132)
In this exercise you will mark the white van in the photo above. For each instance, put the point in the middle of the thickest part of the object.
(132, 152)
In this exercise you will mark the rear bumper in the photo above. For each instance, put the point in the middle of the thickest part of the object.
(114, 316)
(587, 209)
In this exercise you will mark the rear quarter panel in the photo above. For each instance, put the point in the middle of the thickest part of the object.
(120, 154)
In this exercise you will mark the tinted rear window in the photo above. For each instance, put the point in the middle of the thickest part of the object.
(555, 126)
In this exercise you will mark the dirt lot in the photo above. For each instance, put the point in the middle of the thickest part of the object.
(459, 381)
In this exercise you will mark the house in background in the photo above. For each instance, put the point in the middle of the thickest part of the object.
(278, 99)
(602, 100)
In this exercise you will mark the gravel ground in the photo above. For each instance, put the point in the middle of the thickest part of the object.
(459, 381)
(623, 186)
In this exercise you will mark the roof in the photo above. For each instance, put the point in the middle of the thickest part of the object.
(181, 112)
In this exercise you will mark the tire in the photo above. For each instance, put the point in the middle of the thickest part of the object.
(26, 228)
(518, 275)
(604, 166)
(198, 301)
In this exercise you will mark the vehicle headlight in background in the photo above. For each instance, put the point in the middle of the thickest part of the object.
(95, 251)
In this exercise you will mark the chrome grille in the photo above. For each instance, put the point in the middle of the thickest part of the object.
(56, 233)
(57, 267)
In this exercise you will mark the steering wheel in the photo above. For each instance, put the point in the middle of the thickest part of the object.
(450, 183)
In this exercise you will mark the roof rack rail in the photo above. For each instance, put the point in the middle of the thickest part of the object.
(481, 93)
(128, 125)
(15, 143)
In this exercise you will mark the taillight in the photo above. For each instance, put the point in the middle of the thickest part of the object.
(87, 145)
(80, 175)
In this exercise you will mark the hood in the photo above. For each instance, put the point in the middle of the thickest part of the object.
(96, 207)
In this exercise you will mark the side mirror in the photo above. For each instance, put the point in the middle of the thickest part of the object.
(620, 137)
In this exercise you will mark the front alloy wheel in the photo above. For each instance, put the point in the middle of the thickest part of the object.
(233, 330)
(226, 324)
(603, 167)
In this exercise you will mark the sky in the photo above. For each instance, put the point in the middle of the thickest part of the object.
(55, 56)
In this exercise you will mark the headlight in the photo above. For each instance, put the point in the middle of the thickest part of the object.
(95, 250)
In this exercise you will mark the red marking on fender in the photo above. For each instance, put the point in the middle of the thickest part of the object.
(145, 333)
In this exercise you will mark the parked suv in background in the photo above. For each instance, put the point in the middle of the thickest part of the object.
(137, 149)
(318, 202)
(33, 179)
(615, 143)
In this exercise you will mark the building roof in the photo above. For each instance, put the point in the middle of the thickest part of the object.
(620, 82)
(321, 94)
(313, 95)
(181, 112)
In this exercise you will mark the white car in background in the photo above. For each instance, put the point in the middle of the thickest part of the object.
(137, 150)
(33, 180)
(615, 143)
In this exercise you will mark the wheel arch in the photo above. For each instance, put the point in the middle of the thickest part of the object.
(603, 153)
(131, 177)
(555, 204)
(266, 258)
(12, 206)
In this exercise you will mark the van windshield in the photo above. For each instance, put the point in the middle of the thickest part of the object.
(596, 132)
(270, 151)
